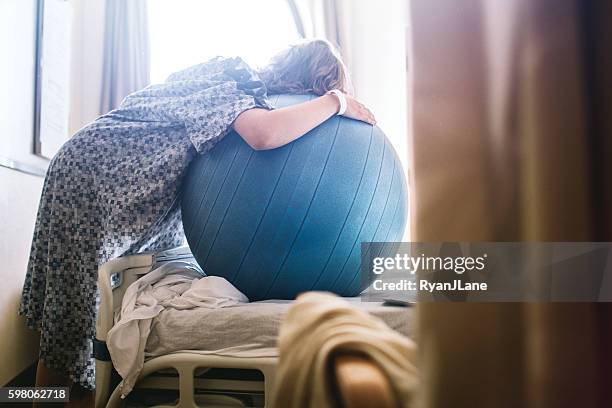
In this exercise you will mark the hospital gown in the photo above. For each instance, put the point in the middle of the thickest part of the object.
(113, 189)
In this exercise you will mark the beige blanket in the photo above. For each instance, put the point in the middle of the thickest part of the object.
(320, 324)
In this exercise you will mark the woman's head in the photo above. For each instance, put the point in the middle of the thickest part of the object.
(312, 66)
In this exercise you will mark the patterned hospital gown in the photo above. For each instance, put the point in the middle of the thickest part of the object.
(113, 189)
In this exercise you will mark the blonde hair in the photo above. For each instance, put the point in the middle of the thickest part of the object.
(311, 66)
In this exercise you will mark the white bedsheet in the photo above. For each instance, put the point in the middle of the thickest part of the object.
(174, 309)
(244, 330)
(177, 285)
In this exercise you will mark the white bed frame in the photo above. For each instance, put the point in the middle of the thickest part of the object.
(114, 277)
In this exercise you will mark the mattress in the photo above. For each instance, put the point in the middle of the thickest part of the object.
(246, 330)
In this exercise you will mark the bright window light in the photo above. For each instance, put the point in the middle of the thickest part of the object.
(188, 32)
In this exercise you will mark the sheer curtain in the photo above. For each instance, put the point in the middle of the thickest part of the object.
(371, 39)
(511, 142)
(126, 64)
(327, 19)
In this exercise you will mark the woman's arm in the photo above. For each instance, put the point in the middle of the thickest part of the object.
(266, 129)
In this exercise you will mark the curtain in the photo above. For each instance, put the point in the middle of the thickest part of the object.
(372, 42)
(126, 64)
(511, 141)
(328, 19)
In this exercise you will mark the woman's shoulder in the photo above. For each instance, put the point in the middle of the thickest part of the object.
(212, 69)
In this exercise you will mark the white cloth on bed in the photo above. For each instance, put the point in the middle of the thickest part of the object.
(176, 285)
(246, 329)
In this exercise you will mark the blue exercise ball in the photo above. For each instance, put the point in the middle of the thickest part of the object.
(279, 222)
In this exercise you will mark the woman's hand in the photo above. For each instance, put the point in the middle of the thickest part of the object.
(357, 110)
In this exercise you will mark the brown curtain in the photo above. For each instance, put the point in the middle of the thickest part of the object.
(512, 141)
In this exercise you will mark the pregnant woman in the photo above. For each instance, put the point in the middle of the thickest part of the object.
(113, 189)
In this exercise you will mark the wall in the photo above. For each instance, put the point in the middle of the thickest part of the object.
(19, 192)
(377, 39)
(378, 64)
(18, 204)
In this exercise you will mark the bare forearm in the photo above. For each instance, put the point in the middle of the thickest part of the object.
(263, 129)
(288, 124)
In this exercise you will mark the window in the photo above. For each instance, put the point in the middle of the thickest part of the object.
(188, 32)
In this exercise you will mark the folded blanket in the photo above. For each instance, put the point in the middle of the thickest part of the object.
(321, 324)
(178, 285)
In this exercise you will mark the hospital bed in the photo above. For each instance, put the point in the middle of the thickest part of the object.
(193, 376)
